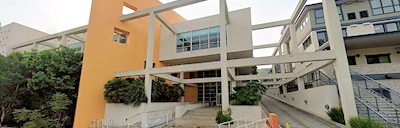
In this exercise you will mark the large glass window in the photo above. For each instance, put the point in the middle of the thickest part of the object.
(319, 15)
(379, 28)
(391, 27)
(384, 6)
(376, 59)
(322, 38)
(198, 39)
(386, 27)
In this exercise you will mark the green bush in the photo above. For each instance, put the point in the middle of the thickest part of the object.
(127, 91)
(224, 116)
(248, 95)
(336, 115)
(359, 122)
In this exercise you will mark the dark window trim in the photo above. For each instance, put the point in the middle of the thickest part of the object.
(355, 60)
(355, 16)
(380, 1)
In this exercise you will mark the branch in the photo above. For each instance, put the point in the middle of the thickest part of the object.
(3, 114)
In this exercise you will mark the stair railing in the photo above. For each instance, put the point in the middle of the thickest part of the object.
(155, 122)
(372, 84)
(254, 124)
(376, 104)
(325, 79)
(235, 120)
(368, 108)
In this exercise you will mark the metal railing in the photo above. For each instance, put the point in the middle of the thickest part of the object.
(384, 91)
(371, 112)
(147, 113)
(255, 124)
(101, 123)
(155, 122)
(236, 120)
(325, 79)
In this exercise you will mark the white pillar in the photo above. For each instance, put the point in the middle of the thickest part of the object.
(64, 40)
(223, 54)
(293, 38)
(274, 71)
(300, 83)
(149, 57)
(336, 41)
(36, 46)
(182, 76)
(287, 52)
(282, 66)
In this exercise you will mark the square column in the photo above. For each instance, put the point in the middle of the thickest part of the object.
(223, 56)
(336, 41)
(204, 93)
(182, 76)
(149, 57)
(64, 40)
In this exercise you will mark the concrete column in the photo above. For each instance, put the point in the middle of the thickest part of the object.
(293, 38)
(284, 89)
(64, 40)
(223, 54)
(182, 76)
(282, 66)
(300, 83)
(149, 57)
(287, 51)
(336, 41)
(273, 71)
(36, 46)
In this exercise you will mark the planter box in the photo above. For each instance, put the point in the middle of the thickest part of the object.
(239, 111)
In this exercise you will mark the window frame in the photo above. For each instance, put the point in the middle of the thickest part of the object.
(361, 16)
(353, 58)
(307, 42)
(393, 6)
(377, 57)
(201, 37)
(351, 13)
(118, 33)
(340, 11)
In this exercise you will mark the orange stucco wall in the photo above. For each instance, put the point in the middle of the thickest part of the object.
(103, 56)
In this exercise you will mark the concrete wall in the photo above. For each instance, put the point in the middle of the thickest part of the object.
(240, 111)
(119, 112)
(316, 99)
(239, 35)
(362, 60)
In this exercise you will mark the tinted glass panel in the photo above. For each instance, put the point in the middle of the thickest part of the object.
(391, 27)
(363, 14)
(351, 16)
(379, 29)
(375, 3)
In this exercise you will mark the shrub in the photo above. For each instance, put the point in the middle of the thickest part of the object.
(127, 91)
(359, 122)
(248, 95)
(336, 115)
(224, 116)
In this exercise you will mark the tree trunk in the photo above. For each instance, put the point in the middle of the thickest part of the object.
(3, 114)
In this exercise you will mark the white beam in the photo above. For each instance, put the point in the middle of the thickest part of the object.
(48, 44)
(227, 20)
(53, 36)
(314, 66)
(187, 68)
(130, 73)
(77, 38)
(297, 10)
(202, 80)
(159, 9)
(231, 74)
(271, 83)
(169, 77)
(266, 76)
(271, 24)
(266, 46)
(300, 57)
(285, 30)
(166, 23)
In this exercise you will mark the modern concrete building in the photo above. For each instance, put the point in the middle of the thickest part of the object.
(211, 55)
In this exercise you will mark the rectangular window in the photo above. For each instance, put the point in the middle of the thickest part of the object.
(376, 59)
(344, 32)
(379, 28)
(319, 15)
(351, 16)
(322, 38)
(364, 14)
(120, 36)
(391, 27)
(384, 6)
(304, 23)
(352, 60)
(307, 43)
(198, 39)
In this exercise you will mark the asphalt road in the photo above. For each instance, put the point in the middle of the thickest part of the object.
(296, 117)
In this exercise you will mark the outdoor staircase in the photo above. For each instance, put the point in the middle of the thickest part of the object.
(196, 118)
(373, 99)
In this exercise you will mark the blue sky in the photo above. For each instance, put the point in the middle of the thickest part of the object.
(53, 16)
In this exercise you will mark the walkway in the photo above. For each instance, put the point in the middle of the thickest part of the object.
(197, 118)
(296, 117)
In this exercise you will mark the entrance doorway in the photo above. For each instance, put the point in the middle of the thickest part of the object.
(210, 93)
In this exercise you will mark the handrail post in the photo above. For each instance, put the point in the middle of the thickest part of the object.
(377, 106)
(366, 85)
(359, 94)
(369, 116)
(397, 117)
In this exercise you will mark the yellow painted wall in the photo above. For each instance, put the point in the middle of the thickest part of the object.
(103, 56)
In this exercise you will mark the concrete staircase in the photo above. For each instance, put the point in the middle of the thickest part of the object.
(197, 118)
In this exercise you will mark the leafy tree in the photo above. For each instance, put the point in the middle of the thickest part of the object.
(127, 91)
(162, 92)
(254, 70)
(249, 95)
(12, 84)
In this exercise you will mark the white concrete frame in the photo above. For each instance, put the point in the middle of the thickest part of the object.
(63, 35)
(320, 59)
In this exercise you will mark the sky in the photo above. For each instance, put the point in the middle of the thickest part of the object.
(52, 16)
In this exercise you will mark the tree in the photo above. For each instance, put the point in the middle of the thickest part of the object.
(249, 94)
(128, 91)
(12, 84)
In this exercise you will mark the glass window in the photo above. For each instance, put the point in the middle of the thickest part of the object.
(198, 39)
(384, 6)
(391, 27)
(344, 32)
(379, 28)
(120, 36)
(339, 8)
(352, 60)
(319, 16)
(307, 43)
(203, 38)
(376, 59)
(322, 38)
(364, 14)
(214, 37)
(351, 16)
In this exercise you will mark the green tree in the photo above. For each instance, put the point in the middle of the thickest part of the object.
(128, 91)
(249, 94)
(12, 84)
